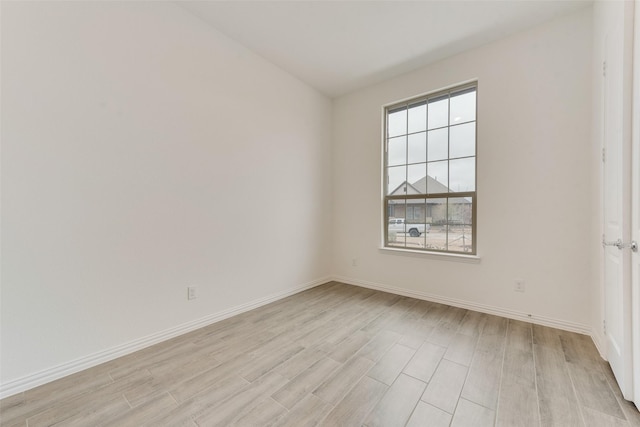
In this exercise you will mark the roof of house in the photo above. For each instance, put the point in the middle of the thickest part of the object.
(433, 185)
(421, 186)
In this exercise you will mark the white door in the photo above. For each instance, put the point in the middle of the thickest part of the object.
(616, 95)
(635, 208)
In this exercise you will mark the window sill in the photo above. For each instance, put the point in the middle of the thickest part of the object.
(471, 259)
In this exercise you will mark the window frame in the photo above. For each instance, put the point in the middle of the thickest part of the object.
(407, 103)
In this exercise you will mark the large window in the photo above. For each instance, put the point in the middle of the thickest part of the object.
(430, 172)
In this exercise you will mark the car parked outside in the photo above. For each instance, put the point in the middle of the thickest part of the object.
(399, 225)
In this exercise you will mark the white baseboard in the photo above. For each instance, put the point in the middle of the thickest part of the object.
(33, 380)
(498, 311)
(600, 344)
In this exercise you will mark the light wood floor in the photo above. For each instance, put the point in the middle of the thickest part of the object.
(343, 355)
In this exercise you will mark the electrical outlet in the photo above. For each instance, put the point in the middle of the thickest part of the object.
(354, 262)
(192, 292)
(519, 285)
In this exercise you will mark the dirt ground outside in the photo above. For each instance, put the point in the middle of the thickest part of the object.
(459, 239)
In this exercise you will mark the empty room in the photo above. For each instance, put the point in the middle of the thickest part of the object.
(333, 213)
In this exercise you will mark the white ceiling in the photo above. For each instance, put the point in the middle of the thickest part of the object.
(341, 46)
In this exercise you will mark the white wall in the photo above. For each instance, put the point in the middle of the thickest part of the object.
(142, 152)
(535, 178)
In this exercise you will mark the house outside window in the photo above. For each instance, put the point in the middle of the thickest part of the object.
(429, 172)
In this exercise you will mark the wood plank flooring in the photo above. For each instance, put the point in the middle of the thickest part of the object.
(340, 355)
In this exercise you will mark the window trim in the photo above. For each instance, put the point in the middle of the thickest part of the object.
(406, 104)
(442, 256)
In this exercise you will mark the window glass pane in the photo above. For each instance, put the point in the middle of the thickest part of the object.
(463, 107)
(437, 180)
(438, 143)
(418, 117)
(462, 174)
(395, 223)
(462, 140)
(416, 176)
(397, 180)
(397, 122)
(460, 230)
(418, 147)
(438, 112)
(397, 154)
(415, 223)
(436, 220)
